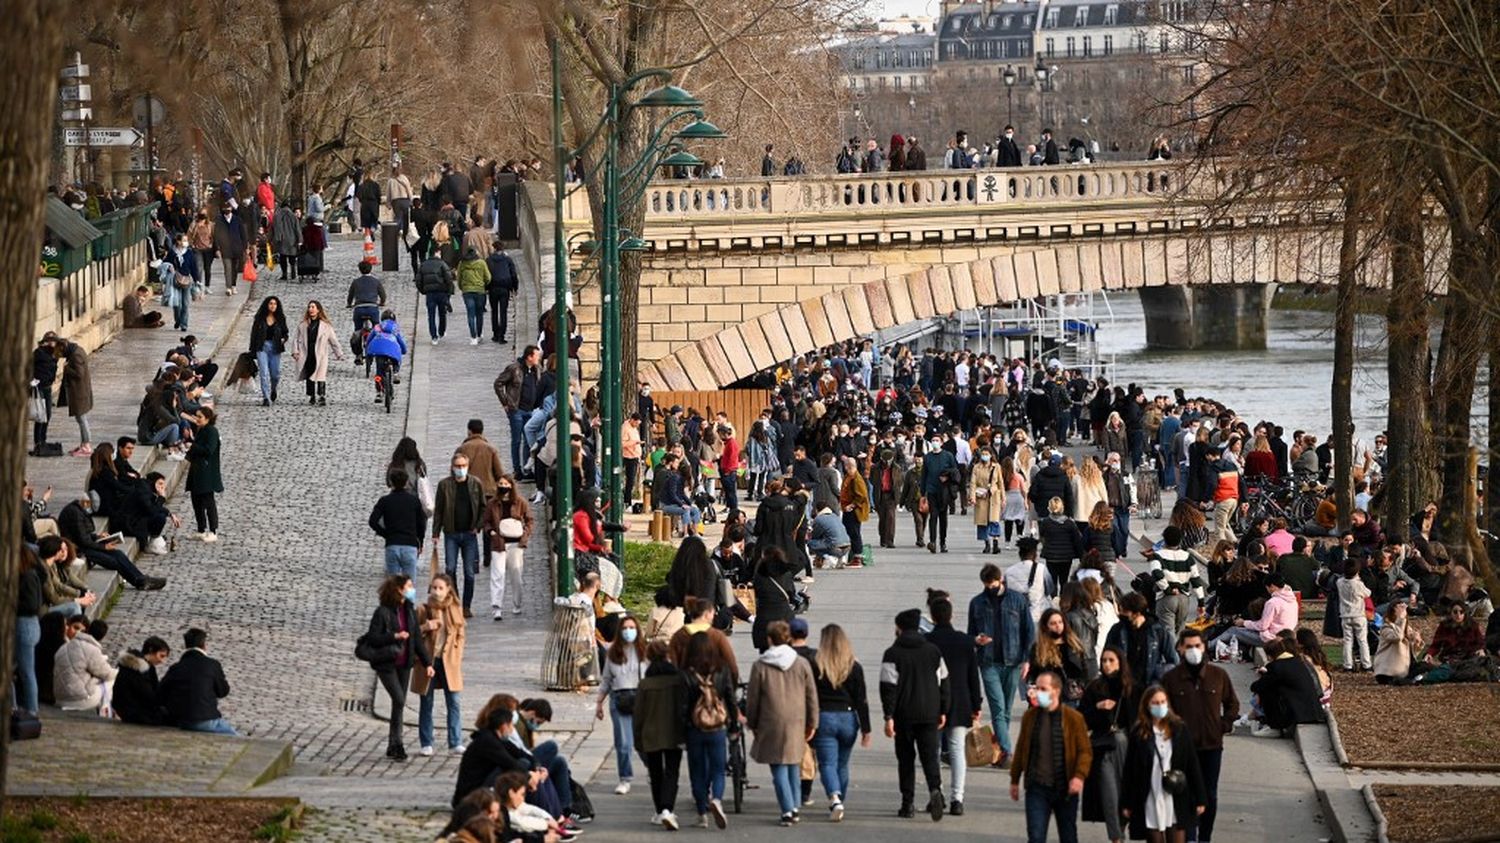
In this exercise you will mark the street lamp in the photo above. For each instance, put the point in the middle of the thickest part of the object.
(1043, 73)
(1009, 78)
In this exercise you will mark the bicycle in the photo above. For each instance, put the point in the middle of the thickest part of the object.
(385, 380)
(739, 772)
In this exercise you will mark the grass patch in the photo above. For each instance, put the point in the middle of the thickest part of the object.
(646, 566)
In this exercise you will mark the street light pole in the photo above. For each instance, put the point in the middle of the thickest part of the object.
(563, 487)
(1009, 77)
(609, 375)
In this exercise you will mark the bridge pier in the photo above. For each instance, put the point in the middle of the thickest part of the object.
(1228, 316)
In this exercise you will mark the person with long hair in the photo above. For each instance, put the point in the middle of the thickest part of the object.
(703, 668)
(1058, 649)
(1098, 534)
(444, 633)
(314, 343)
(1242, 585)
(408, 458)
(692, 573)
(1109, 703)
(588, 523)
(1078, 611)
(1088, 492)
(393, 645)
(773, 593)
(1221, 560)
(204, 479)
(624, 664)
(507, 519)
(1261, 462)
(660, 731)
(268, 338)
(1164, 793)
(104, 484)
(1188, 518)
(1014, 483)
(1398, 640)
(843, 713)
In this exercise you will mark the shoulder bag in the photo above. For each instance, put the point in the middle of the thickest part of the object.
(1172, 781)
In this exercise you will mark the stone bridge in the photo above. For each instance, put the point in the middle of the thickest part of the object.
(744, 274)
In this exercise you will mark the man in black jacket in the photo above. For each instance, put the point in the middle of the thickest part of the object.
(399, 518)
(1051, 482)
(914, 698)
(76, 524)
(191, 690)
(503, 282)
(963, 710)
(136, 698)
(1007, 154)
(1289, 691)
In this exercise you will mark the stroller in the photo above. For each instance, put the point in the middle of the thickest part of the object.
(705, 502)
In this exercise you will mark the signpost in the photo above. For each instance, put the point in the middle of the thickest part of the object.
(102, 136)
(74, 98)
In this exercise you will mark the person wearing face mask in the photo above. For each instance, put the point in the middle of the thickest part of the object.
(179, 288)
(1109, 704)
(986, 494)
(624, 665)
(457, 515)
(1204, 698)
(886, 479)
(1164, 796)
(1007, 153)
(1053, 756)
(392, 645)
(940, 475)
(443, 634)
(508, 521)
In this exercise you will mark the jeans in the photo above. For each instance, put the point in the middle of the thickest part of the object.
(401, 559)
(958, 762)
(205, 511)
(218, 726)
(454, 718)
(505, 576)
(913, 741)
(1001, 683)
(402, 210)
(1246, 637)
(117, 561)
(517, 438)
(269, 363)
(474, 306)
(690, 515)
(28, 635)
(180, 310)
(708, 754)
(856, 537)
(731, 484)
(832, 743)
(1209, 762)
(500, 321)
(1175, 611)
(624, 740)
(546, 754)
(784, 777)
(395, 680)
(168, 435)
(468, 545)
(1356, 642)
(1119, 531)
(1042, 803)
(437, 315)
(664, 767)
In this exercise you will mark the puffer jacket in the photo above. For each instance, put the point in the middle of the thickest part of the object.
(1280, 613)
(434, 277)
(473, 276)
(79, 671)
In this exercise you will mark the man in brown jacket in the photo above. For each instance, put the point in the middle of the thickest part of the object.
(1053, 754)
(484, 466)
(1204, 698)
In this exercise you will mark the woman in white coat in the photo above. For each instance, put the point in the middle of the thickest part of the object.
(312, 344)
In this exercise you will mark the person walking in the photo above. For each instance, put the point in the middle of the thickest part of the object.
(444, 636)
(77, 393)
(1203, 696)
(177, 285)
(887, 478)
(458, 515)
(401, 521)
(435, 283)
(854, 499)
(504, 282)
(843, 714)
(712, 710)
(393, 645)
(204, 479)
(313, 344)
(939, 478)
(473, 281)
(1108, 707)
(201, 240)
(398, 193)
(1001, 626)
(660, 731)
(781, 708)
(914, 700)
(1164, 793)
(619, 680)
(508, 524)
(963, 712)
(986, 494)
(268, 339)
(286, 239)
(1053, 757)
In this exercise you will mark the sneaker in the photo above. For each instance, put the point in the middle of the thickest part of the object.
(153, 584)
(622, 788)
(499, 615)
(836, 812)
(81, 451)
(703, 820)
(787, 820)
(956, 808)
(668, 819)
(457, 750)
(935, 805)
(807, 801)
(906, 811)
(1260, 730)
(1003, 762)
(656, 817)
(474, 341)
(716, 807)
(539, 497)
(425, 752)
(579, 819)
(932, 547)
(157, 546)
(209, 537)
(176, 456)
(434, 342)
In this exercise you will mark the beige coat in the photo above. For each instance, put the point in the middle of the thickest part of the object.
(986, 492)
(79, 672)
(326, 345)
(452, 653)
(782, 705)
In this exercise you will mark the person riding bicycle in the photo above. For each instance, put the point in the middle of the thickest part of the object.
(385, 341)
(366, 296)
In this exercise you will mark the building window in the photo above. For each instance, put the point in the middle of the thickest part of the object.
(1026, 22)
(952, 51)
(1070, 41)
(882, 83)
(1005, 21)
(1051, 48)
(1189, 72)
(1081, 16)
(1164, 38)
(1111, 14)
(1109, 45)
(911, 82)
(897, 82)
(1052, 16)
(1088, 47)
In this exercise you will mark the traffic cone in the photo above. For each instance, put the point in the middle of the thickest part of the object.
(369, 248)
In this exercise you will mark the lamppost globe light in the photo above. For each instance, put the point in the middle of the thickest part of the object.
(680, 159)
(669, 96)
(633, 244)
(701, 130)
(1009, 76)
(1041, 71)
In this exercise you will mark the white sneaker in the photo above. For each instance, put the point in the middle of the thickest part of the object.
(426, 750)
(539, 497)
(622, 788)
(210, 537)
(716, 808)
(669, 820)
(157, 546)
(458, 750)
(499, 615)
(656, 817)
(176, 456)
(434, 342)
(1260, 730)
(474, 341)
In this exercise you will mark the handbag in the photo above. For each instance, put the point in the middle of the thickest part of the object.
(980, 749)
(923, 507)
(1172, 781)
(424, 494)
(248, 274)
(511, 528)
(624, 700)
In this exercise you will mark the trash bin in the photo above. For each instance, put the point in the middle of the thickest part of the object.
(506, 197)
(390, 247)
(568, 655)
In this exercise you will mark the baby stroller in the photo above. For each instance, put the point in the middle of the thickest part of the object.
(705, 502)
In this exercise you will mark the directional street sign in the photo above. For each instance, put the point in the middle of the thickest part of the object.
(76, 71)
(124, 136)
(75, 93)
(77, 115)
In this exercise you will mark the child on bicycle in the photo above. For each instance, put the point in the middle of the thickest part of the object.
(385, 341)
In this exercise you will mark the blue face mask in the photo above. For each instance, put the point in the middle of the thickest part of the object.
(1160, 711)
(628, 633)
(410, 593)
(460, 473)
(1044, 699)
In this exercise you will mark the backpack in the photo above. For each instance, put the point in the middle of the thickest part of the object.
(709, 713)
(440, 232)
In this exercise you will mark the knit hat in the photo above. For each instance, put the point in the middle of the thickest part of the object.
(799, 627)
(908, 620)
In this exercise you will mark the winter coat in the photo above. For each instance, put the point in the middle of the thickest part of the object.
(914, 683)
(1007, 621)
(776, 524)
(1393, 654)
(987, 492)
(79, 671)
(276, 333)
(781, 706)
(1061, 541)
(487, 755)
(1140, 756)
(286, 233)
(452, 654)
(77, 385)
(444, 511)
(856, 493)
(1290, 693)
(203, 462)
(434, 277)
(473, 276)
(484, 462)
(1204, 698)
(1078, 755)
(136, 696)
(59, 584)
(1160, 654)
(192, 688)
(384, 624)
(498, 510)
(325, 345)
(1050, 482)
(958, 654)
(661, 715)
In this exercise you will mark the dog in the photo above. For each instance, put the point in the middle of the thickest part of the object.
(244, 372)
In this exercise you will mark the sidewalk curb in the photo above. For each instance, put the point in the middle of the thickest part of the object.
(1382, 829)
(1346, 808)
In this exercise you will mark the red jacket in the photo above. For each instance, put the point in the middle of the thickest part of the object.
(729, 458)
(584, 537)
(265, 196)
(1261, 463)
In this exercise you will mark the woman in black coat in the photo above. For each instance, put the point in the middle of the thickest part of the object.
(1159, 743)
(773, 594)
(204, 478)
(268, 338)
(1109, 706)
(392, 645)
(776, 524)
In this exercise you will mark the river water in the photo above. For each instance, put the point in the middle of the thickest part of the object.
(1288, 383)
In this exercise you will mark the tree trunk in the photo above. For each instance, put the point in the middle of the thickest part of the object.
(1343, 362)
(1465, 338)
(1409, 479)
(30, 55)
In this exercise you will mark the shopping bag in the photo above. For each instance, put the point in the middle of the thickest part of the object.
(270, 258)
(249, 274)
(980, 749)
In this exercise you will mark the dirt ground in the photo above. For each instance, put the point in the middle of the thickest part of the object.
(84, 819)
(1440, 814)
(1450, 724)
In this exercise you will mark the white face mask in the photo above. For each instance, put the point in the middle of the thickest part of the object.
(1193, 655)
